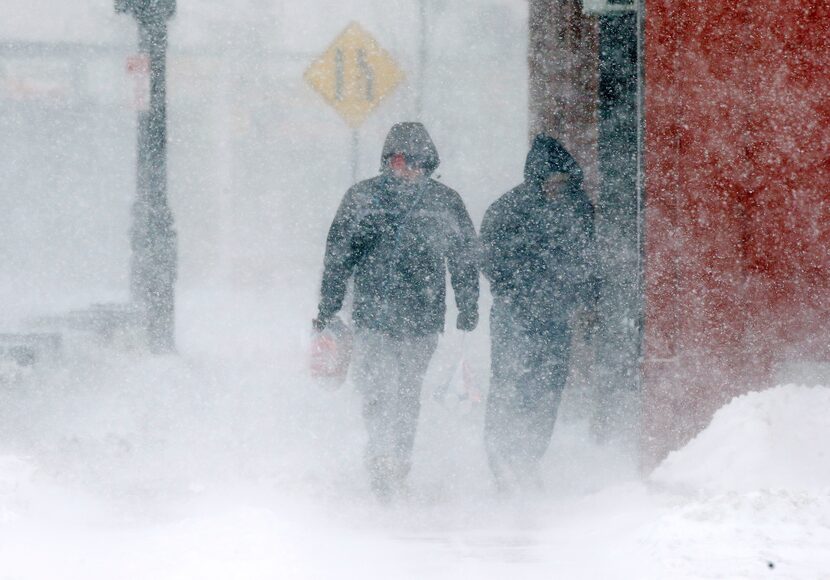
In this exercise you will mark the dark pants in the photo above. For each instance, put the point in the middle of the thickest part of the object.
(529, 370)
(389, 373)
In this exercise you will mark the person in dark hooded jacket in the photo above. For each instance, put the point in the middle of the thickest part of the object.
(537, 243)
(397, 234)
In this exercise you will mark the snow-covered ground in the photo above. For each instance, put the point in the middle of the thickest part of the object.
(228, 462)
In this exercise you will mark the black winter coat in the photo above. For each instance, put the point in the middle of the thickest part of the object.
(538, 253)
(398, 239)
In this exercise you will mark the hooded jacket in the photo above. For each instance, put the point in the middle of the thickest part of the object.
(538, 252)
(398, 239)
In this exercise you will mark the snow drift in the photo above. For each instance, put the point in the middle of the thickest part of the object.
(774, 439)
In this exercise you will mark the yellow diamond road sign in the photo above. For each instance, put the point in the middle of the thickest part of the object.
(354, 74)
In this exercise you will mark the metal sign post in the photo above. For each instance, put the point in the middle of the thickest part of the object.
(423, 54)
(354, 74)
(355, 153)
(153, 265)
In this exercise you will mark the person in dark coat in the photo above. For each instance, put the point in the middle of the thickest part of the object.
(537, 243)
(397, 234)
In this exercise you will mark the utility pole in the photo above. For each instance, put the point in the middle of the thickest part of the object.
(153, 265)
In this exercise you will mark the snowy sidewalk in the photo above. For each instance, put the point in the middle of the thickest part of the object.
(226, 462)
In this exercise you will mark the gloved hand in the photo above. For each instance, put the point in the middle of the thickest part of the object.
(589, 321)
(467, 320)
(319, 324)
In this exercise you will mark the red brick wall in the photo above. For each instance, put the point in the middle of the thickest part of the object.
(737, 202)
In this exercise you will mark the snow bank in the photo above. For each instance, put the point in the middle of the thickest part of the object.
(775, 439)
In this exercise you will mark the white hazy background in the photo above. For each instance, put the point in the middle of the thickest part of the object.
(257, 160)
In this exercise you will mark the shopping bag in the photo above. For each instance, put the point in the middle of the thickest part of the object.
(331, 354)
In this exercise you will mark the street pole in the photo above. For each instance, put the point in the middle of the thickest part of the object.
(153, 266)
(422, 59)
(355, 153)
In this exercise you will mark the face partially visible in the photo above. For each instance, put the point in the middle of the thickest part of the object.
(403, 170)
(555, 185)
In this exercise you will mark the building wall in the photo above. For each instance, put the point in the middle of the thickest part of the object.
(738, 204)
(737, 191)
(563, 61)
(583, 90)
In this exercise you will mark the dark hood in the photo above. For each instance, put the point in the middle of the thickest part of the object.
(414, 142)
(546, 156)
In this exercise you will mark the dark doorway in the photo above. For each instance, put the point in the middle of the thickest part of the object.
(585, 89)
